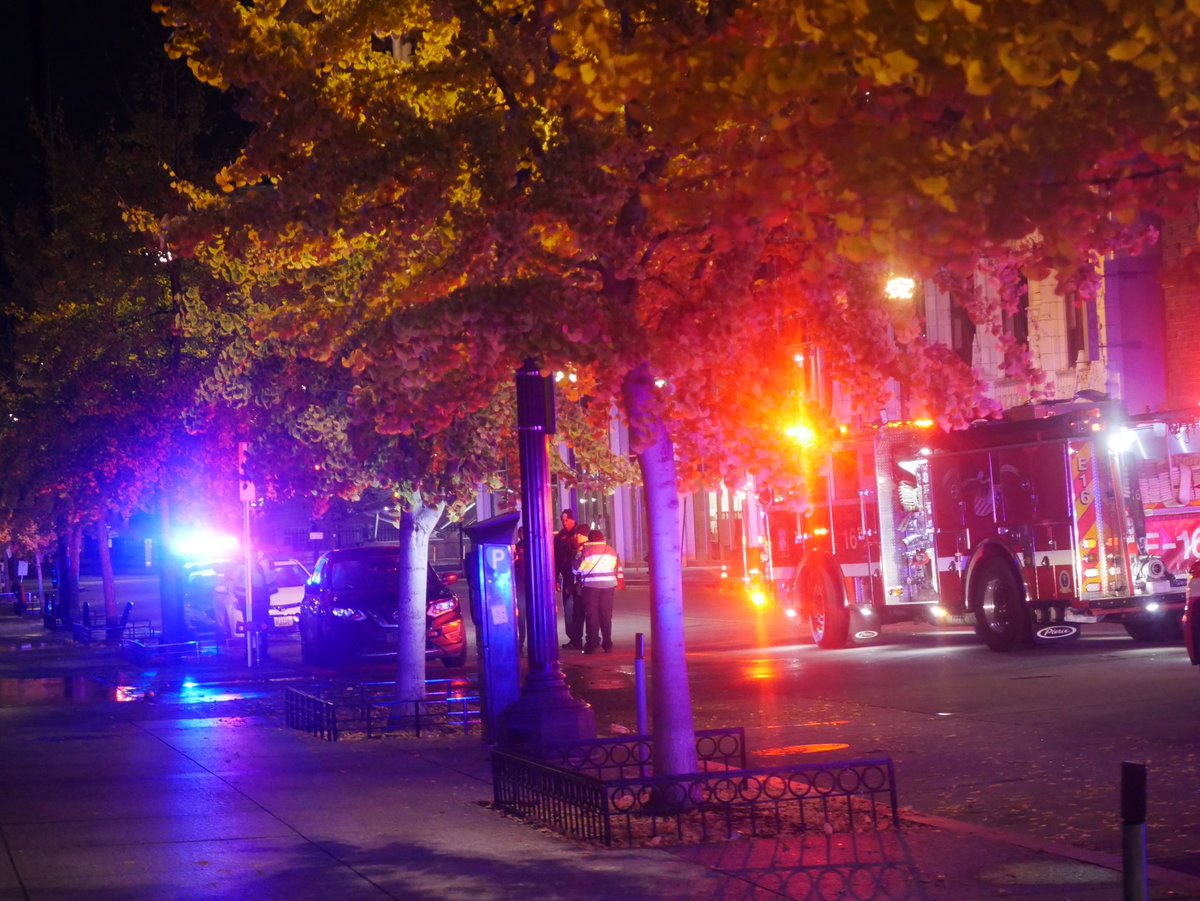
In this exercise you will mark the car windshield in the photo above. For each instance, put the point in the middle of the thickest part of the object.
(365, 573)
(290, 575)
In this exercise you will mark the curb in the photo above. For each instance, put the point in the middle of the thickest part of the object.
(1155, 873)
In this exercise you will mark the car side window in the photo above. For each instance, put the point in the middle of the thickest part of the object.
(344, 575)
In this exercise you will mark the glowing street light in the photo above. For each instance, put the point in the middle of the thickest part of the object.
(802, 434)
(900, 287)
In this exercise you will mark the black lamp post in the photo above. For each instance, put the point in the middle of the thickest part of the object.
(546, 713)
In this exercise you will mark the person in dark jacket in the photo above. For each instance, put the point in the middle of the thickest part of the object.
(596, 565)
(566, 545)
(262, 586)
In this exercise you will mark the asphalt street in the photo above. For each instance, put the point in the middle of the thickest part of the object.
(1006, 764)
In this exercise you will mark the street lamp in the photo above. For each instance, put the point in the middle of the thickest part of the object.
(900, 287)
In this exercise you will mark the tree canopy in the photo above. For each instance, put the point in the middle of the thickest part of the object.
(670, 196)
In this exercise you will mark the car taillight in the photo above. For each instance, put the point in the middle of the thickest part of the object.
(437, 608)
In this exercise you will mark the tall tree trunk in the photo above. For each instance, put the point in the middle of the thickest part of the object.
(673, 728)
(67, 564)
(416, 525)
(107, 581)
(41, 578)
(74, 555)
(170, 577)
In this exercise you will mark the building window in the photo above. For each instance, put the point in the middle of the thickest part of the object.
(1077, 330)
(1016, 324)
(962, 333)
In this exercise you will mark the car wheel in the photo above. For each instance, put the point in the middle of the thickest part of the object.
(998, 602)
(456, 660)
(1147, 627)
(828, 617)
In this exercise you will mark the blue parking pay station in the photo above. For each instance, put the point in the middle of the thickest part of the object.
(494, 611)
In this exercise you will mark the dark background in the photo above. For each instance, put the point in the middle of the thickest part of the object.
(78, 59)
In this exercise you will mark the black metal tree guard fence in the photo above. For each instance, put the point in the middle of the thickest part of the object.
(573, 791)
(310, 713)
(573, 804)
(371, 708)
(632, 756)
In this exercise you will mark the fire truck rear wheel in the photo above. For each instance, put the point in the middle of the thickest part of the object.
(828, 617)
(1001, 618)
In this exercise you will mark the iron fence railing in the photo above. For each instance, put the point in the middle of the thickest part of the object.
(578, 801)
(837, 797)
(448, 703)
(633, 756)
(373, 708)
(310, 713)
(570, 803)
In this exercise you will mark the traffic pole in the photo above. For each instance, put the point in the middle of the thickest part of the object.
(1133, 831)
(639, 675)
(246, 494)
(247, 583)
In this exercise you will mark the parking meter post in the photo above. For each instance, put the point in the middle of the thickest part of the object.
(1133, 831)
(545, 713)
(639, 674)
(493, 609)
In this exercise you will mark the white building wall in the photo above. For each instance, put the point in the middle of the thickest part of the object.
(1048, 342)
(937, 315)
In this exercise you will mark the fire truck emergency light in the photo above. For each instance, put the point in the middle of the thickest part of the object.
(1121, 441)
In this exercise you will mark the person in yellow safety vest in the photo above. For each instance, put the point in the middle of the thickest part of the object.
(596, 566)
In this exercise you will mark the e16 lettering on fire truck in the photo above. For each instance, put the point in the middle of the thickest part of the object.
(1030, 527)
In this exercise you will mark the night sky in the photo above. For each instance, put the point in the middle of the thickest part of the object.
(83, 57)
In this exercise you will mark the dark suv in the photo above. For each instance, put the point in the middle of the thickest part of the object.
(351, 603)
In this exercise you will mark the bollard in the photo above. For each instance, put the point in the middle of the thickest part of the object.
(1133, 831)
(639, 674)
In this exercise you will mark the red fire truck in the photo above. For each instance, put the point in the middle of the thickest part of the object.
(1058, 515)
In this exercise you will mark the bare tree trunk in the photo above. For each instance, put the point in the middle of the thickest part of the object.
(41, 578)
(107, 580)
(75, 552)
(67, 561)
(673, 727)
(170, 578)
(8, 552)
(416, 525)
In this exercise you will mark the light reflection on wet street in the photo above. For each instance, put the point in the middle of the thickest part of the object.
(89, 689)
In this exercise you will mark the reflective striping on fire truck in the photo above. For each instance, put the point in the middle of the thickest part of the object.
(1087, 524)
